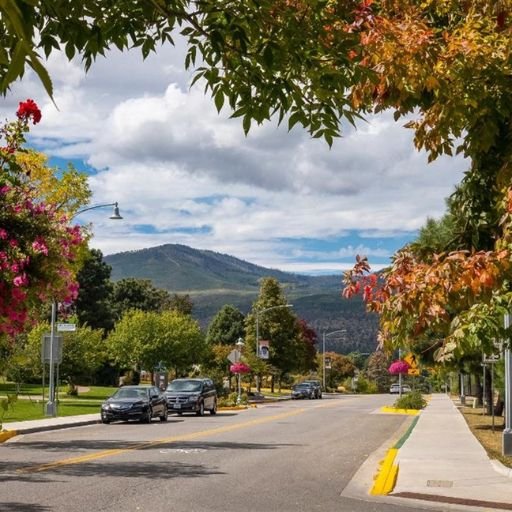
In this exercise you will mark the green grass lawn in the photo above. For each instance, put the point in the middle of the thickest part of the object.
(24, 409)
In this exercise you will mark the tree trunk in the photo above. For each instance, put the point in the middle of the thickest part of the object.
(488, 392)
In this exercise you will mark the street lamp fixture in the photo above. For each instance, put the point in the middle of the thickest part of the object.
(115, 212)
(51, 406)
(325, 335)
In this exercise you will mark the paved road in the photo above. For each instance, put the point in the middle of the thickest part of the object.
(291, 456)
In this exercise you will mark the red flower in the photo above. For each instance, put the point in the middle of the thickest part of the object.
(29, 109)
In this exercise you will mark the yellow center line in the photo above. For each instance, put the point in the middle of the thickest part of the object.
(173, 439)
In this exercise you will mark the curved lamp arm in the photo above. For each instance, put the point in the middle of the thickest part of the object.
(115, 214)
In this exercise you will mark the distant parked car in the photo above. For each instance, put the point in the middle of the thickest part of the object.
(395, 388)
(141, 403)
(191, 395)
(303, 390)
(317, 385)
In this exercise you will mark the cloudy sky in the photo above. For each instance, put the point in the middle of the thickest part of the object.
(182, 173)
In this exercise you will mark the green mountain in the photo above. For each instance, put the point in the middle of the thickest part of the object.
(213, 279)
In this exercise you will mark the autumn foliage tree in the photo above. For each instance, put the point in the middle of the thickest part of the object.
(449, 304)
(39, 249)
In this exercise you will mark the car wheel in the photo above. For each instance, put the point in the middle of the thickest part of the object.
(320, 397)
(200, 412)
(179, 413)
(164, 415)
(214, 410)
(148, 417)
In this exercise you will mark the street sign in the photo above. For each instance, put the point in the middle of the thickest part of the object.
(263, 349)
(411, 360)
(66, 327)
(327, 363)
(56, 353)
(493, 358)
(234, 356)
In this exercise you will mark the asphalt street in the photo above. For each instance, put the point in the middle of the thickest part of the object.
(289, 456)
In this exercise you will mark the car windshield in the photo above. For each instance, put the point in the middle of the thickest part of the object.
(301, 386)
(184, 385)
(131, 393)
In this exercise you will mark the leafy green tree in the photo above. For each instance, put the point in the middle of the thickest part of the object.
(131, 293)
(83, 352)
(94, 302)
(277, 324)
(227, 326)
(144, 339)
(315, 62)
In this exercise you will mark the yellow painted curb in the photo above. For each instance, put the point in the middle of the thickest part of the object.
(394, 410)
(386, 478)
(234, 408)
(7, 435)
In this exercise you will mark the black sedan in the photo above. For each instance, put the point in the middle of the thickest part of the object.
(135, 403)
(303, 390)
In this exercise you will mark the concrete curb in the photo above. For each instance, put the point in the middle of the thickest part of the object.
(385, 479)
(7, 434)
(501, 468)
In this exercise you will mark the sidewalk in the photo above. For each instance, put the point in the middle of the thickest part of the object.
(441, 461)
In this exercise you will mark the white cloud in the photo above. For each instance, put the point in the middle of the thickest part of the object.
(184, 174)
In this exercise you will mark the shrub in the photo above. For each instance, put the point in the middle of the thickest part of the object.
(231, 400)
(412, 400)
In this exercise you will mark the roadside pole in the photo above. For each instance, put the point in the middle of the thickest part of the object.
(50, 405)
(507, 433)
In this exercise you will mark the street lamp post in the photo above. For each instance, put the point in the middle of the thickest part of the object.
(239, 344)
(51, 406)
(339, 331)
(507, 432)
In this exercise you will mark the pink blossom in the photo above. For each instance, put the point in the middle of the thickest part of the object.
(39, 246)
(240, 368)
(398, 367)
(20, 280)
(3, 234)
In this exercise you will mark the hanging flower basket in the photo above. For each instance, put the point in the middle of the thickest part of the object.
(398, 367)
(240, 368)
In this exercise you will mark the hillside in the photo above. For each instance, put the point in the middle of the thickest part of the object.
(213, 279)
